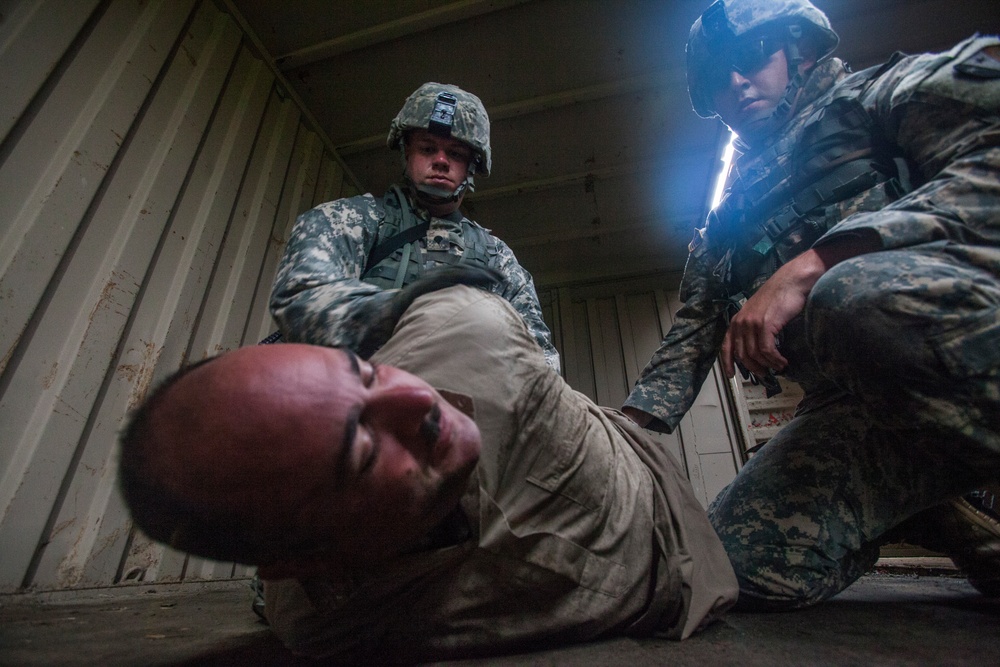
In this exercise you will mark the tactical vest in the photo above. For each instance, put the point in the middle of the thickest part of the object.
(838, 166)
(398, 258)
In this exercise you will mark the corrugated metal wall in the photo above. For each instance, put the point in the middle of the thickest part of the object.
(607, 333)
(150, 168)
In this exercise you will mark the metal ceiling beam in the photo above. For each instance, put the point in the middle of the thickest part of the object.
(284, 88)
(597, 91)
(385, 32)
(563, 180)
(680, 227)
(659, 79)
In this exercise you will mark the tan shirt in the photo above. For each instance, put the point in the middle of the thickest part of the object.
(581, 526)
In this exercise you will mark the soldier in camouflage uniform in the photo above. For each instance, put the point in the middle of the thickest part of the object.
(857, 251)
(346, 260)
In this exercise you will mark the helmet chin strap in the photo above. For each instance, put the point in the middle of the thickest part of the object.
(428, 194)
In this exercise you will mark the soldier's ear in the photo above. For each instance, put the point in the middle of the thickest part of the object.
(808, 50)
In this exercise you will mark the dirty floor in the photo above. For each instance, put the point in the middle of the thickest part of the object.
(884, 619)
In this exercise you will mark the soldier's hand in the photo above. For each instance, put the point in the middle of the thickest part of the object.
(382, 319)
(752, 332)
(445, 276)
(751, 338)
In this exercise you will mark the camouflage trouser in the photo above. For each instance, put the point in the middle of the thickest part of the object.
(907, 344)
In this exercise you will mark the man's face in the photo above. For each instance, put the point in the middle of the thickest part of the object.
(746, 101)
(324, 447)
(439, 162)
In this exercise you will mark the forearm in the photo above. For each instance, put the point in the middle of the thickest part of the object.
(959, 206)
(670, 382)
(807, 268)
(945, 120)
(518, 288)
(317, 296)
(332, 314)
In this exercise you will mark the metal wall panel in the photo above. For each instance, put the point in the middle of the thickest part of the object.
(151, 167)
(608, 332)
(152, 164)
(31, 46)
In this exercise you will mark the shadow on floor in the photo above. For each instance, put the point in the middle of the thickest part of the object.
(882, 619)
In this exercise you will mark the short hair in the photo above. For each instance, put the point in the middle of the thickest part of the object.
(199, 527)
(166, 515)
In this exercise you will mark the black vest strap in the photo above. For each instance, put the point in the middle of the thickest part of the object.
(400, 259)
(393, 243)
(411, 230)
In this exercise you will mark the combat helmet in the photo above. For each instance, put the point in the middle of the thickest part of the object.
(448, 111)
(716, 34)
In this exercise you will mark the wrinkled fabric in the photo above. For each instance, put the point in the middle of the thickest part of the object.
(581, 527)
(897, 350)
(318, 296)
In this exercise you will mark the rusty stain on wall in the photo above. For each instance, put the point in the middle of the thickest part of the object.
(104, 298)
(140, 375)
(142, 555)
(77, 522)
(191, 58)
(59, 527)
(50, 377)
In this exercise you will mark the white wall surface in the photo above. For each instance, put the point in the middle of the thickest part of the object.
(607, 333)
(151, 166)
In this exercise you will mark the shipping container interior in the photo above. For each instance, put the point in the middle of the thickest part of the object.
(154, 155)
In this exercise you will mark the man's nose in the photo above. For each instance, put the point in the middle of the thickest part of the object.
(400, 408)
(737, 80)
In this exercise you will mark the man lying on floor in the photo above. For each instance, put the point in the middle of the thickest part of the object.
(451, 497)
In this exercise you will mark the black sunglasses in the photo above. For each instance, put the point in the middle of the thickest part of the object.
(746, 57)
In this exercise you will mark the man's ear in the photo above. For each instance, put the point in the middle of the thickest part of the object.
(301, 567)
(808, 50)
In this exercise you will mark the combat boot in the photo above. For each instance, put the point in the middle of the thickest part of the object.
(967, 530)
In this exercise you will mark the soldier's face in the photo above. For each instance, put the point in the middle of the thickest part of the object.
(438, 162)
(322, 447)
(746, 101)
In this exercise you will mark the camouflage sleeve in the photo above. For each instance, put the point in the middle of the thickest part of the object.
(519, 289)
(317, 296)
(671, 380)
(943, 111)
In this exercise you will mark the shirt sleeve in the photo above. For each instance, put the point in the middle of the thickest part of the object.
(519, 289)
(943, 113)
(669, 383)
(317, 296)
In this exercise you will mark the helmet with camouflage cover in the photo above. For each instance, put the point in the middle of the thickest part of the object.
(448, 111)
(716, 33)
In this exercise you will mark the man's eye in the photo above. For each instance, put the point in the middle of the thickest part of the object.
(371, 375)
(368, 450)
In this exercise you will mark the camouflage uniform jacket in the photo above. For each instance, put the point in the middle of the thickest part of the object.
(319, 296)
(928, 128)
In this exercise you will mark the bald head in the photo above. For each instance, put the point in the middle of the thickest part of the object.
(275, 451)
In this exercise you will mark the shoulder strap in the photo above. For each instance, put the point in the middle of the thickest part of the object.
(391, 245)
(410, 232)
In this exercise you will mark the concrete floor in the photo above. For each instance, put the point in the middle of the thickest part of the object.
(884, 619)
